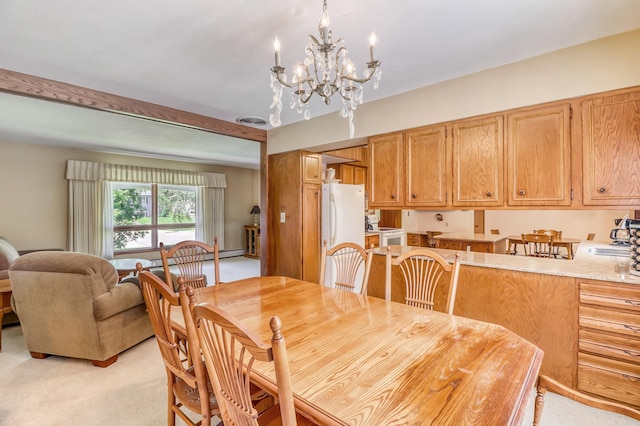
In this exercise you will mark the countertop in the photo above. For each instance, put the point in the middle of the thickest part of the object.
(584, 264)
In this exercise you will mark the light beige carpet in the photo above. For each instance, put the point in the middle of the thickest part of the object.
(132, 391)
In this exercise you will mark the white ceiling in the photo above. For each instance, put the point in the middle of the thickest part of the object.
(213, 57)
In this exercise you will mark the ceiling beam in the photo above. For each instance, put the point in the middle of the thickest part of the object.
(50, 90)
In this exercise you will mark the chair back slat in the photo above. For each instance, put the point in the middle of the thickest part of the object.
(538, 245)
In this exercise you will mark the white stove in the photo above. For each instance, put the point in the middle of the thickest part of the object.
(388, 236)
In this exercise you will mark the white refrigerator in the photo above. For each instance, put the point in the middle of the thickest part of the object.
(342, 219)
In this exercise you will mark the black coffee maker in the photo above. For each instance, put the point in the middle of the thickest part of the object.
(620, 234)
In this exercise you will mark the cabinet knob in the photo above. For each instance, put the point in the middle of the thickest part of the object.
(521, 192)
(489, 193)
(414, 196)
(602, 190)
(393, 197)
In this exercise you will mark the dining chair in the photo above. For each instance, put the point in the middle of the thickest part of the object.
(546, 383)
(188, 384)
(557, 235)
(538, 245)
(189, 257)
(423, 270)
(349, 261)
(229, 350)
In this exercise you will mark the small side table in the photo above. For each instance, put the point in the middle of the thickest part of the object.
(5, 302)
(252, 241)
(125, 267)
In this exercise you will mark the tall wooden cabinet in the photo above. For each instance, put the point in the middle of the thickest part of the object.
(539, 156)
(611, 149)
(477, 150)
(294, 188)
(426, 163)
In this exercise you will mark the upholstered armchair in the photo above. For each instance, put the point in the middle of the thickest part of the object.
(71, 304)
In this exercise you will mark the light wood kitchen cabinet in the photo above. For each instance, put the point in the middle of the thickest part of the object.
(386, 171)
(611, 149)
(422, 239)
(310, 244)
(477, 151)
(426, 162)
(476, 246)
(360, 176)
(350, 174)
(311, 168)
(609, 341)
(539, 156)
(294, 210)
(371, 240)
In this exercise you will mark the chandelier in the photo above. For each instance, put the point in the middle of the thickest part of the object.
(326, 70)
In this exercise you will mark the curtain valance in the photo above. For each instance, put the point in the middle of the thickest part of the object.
(90, 171)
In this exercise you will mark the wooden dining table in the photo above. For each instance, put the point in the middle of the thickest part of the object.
(567, 243)
(359, 360)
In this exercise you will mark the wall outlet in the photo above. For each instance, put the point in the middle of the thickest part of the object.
(283, 217)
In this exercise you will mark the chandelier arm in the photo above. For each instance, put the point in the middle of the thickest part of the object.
(374, 66)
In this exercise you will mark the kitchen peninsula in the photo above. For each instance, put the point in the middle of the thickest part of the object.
(583, 314)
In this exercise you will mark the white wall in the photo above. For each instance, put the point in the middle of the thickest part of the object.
(605, 64)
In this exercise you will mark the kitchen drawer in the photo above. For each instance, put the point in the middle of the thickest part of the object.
(610, 345)
(372, 240)
(413, 240)
(612, 379)
(610, 320)
(611, 296)
(449, 244)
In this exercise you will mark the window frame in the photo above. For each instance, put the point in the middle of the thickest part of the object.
(154, 227)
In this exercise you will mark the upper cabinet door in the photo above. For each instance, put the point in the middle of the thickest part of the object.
(539, 156)
(611, 150)
(386, 171)
(425, 151)
(478, 158)
(311, 168)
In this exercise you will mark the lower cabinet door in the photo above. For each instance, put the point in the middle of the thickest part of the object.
(612, 379)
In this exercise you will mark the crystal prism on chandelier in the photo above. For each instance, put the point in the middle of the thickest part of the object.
(326, 70)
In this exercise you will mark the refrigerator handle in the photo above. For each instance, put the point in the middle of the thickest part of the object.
(333, 221)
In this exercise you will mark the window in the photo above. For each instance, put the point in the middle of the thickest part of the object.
(146, 214)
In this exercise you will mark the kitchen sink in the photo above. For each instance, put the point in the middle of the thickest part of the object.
(610, 251)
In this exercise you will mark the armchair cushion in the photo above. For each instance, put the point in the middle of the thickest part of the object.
(118, 299)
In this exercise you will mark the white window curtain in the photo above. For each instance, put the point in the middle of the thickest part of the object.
(91, 205)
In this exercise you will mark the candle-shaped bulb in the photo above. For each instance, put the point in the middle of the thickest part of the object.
(372, 43)
(276, 47)
(324, 21)
(324, 26)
